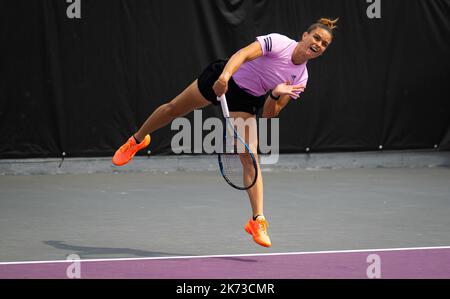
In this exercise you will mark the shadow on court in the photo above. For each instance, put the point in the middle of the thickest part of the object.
(238, 259)
(87, 251)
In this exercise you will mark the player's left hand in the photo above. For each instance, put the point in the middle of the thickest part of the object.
(288, 89)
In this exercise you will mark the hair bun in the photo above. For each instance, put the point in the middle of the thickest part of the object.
(331, 24)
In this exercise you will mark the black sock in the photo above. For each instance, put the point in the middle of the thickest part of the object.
(137, 141)
(254, 217)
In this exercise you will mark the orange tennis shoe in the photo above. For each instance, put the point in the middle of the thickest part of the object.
(127, 151)
(258, 229)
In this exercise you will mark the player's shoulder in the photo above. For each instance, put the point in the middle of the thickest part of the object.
(275, 42)
(279, 37)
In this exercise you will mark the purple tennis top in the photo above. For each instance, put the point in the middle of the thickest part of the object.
(264, 73)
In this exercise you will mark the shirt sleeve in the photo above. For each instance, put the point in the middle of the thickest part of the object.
(273, 43)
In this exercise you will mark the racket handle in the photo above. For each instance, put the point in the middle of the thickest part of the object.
(223, 102)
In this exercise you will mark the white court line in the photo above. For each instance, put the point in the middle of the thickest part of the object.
(222, 256)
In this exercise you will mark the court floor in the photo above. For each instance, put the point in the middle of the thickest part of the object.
(183, 224)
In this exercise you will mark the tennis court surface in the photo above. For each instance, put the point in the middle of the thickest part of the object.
(187, 223)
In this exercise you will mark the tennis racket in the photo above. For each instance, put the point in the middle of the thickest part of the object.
(231, 161)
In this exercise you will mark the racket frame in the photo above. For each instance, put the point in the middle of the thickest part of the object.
(230, 129)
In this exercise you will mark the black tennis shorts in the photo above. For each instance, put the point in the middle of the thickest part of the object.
(238, 99)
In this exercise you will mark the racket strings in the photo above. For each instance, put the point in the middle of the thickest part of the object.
(234, 170)
(235, 158)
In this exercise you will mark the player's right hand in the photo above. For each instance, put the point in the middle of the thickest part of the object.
(220, 87)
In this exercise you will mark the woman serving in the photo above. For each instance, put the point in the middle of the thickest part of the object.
(275, 65)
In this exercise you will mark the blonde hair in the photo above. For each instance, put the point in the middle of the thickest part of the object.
(324, 23)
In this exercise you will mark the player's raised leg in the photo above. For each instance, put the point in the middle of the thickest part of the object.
(187, 101)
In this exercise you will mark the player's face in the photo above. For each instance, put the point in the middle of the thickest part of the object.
(316, 42)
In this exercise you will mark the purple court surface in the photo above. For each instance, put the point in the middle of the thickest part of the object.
(414, 263)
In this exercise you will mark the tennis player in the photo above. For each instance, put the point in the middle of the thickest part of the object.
(266, 74)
